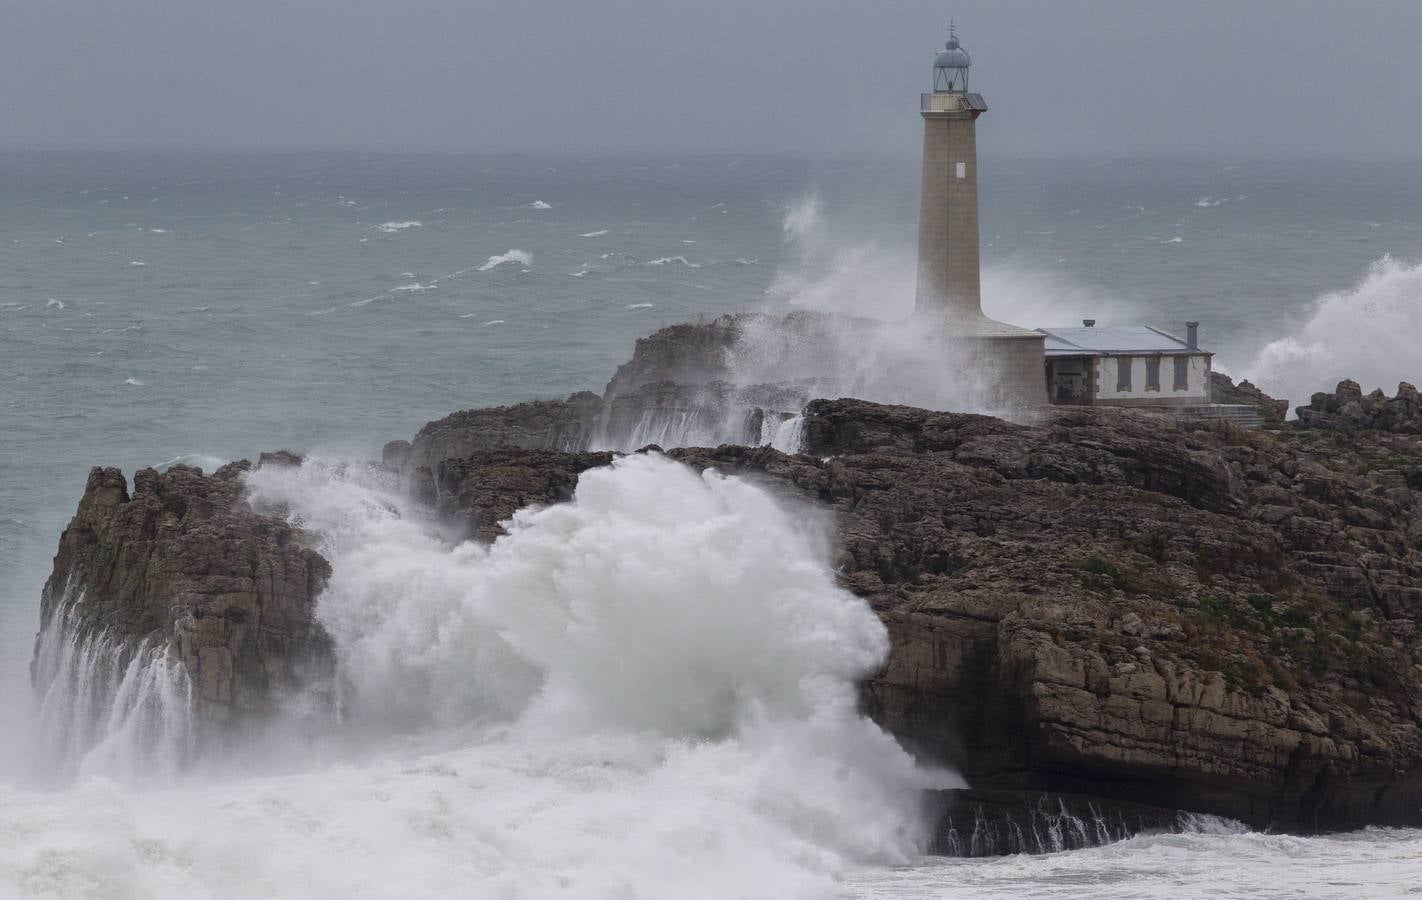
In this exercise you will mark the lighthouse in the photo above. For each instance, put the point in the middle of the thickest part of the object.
(1009, 362)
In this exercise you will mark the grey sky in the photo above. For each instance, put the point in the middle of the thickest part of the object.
(831, 77)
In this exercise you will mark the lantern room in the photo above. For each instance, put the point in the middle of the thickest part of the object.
(950, 68)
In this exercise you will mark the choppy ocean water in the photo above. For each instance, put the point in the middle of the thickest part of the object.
(207, 308)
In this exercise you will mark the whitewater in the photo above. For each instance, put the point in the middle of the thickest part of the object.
(647, 692)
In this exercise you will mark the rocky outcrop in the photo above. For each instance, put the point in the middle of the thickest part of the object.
(1104, 602)
(182, 563)
(1349, 410)
(1107, 603)
(1210, 619)
(1224, 390)
(484, 489)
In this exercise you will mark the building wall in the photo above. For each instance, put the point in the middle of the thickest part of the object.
(1198, 379)
(948, 279)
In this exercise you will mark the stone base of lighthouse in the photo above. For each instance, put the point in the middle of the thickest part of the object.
(1003, 366)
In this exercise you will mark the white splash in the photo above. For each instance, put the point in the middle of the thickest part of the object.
(107, 708)
(1371, 333)
(789, 435)
(513, 257)
(396, 227)
(668, 260)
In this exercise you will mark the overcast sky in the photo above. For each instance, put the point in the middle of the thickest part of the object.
(822, 77)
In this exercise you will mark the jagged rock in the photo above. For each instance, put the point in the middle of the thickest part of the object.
(1108, 603)
(485, 488)
(1273, 672)
(570, 425)
(279, 458)
(183, 563)
(1348, 410)
(1105, 602)
(1224, 390)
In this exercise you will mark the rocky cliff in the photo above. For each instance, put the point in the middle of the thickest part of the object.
(1104, 603)
(182, 564)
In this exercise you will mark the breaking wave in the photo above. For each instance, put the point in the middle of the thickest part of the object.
(1371, 333)
(518, 257)
(396, 227)
(647, 691)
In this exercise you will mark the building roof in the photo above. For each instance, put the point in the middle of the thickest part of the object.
(1112, 339)
(952, 56)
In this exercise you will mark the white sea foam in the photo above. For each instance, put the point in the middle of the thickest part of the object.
(539, 204)
(640, 305)
(1371, 333)
(137, 263)
(395, 227)
(413, 287)
(52, 303)
(668, 260)
(133, 381)
(594, 233)
(204, 461)
(513, 257)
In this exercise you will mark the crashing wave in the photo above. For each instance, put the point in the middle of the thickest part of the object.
(513, 257)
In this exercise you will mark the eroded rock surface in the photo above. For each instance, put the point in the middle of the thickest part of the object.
(1349, 410)
(1107, 603)
(182, 562)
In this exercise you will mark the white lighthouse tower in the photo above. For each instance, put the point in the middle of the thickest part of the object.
(1007, 361)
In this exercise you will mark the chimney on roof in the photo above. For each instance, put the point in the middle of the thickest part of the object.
(1089, 323)
(1192, 335)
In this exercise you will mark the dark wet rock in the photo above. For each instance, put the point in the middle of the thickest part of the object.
(183, 563)
(1349, 410)
(395, 455)
(1224, 390)
(484, 489)
(279, 458)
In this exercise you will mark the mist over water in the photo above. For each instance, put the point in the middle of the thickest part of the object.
(647, 692)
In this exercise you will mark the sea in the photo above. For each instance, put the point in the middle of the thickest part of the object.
(647, 692)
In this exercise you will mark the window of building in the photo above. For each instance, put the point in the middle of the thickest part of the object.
(1182, 373)
(1123, 373)
(1152, 373)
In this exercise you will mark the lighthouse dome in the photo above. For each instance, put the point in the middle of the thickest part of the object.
(952, 56)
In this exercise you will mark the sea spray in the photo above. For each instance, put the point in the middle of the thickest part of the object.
(105, 707)
(1371, 333)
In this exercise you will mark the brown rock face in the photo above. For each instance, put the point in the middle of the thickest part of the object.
(1203, 618)
(1224, 390)
(1210, 619)
(183, 563)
